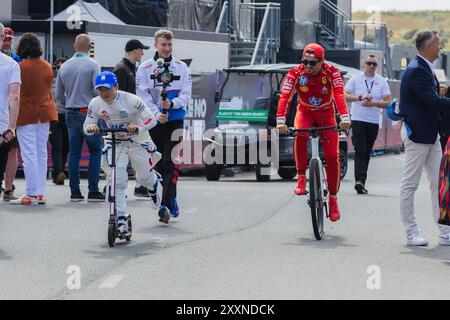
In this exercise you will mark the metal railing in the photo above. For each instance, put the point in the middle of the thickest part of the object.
(369, 35)
(223, 25)
(374, 36)
(268, 41)
(334, 24)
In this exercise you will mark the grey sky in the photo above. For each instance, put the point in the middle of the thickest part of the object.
(401, 5)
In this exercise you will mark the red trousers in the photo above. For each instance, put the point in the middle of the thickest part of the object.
(306, 118)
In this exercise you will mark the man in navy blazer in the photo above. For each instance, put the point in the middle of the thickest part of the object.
(421, 107)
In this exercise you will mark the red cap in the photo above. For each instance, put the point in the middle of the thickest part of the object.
(9, 33)
(314, 50)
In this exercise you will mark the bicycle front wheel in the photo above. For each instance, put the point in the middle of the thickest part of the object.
(316, 198)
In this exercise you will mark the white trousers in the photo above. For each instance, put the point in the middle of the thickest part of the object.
(417, 157)
(33, 149)
(141, 161)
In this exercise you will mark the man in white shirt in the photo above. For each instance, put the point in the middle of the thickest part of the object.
(9, 102)
(368, 92)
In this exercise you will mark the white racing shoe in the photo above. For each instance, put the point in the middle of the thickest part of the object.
(156, 194)
(122, 225)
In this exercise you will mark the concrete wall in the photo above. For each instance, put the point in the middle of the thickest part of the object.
(206, 56)
(6, 11)
(20, 9)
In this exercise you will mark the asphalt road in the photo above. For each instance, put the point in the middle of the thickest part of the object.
(235, 239)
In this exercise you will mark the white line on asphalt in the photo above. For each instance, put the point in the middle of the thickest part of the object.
(112, 281)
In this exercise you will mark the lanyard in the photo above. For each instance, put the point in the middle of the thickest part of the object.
(369, 90)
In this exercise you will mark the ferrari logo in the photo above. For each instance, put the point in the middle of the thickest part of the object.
(324, 80)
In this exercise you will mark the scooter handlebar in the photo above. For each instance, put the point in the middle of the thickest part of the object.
(113, 130)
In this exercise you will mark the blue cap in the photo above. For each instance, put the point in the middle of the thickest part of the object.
(391, 114)
(106, 79)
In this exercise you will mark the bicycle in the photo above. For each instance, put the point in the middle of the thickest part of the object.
(113, 233)
(318, 185)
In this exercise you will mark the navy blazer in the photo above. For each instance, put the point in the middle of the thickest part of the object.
(420, 103)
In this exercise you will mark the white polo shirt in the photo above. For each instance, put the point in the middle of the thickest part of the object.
(360, 85)
(9, 74)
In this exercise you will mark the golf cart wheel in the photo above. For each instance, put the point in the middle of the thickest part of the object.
(287, 173)
(259, 176)
(213, 172)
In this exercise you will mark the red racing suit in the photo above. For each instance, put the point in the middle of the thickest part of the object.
(317, 96)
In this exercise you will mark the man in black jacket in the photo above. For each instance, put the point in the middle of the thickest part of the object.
(125, 71)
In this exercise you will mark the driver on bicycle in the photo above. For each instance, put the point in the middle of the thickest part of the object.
(320, 87)
(119, 109)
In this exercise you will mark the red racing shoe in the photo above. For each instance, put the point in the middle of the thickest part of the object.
(335, 214)
(300, 189)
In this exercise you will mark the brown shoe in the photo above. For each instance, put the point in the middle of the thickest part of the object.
(60, 178)
(9, 196)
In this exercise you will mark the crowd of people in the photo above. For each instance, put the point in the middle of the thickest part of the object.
(69, 109)
(69, 106)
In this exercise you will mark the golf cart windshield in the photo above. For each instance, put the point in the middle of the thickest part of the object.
(245, 100)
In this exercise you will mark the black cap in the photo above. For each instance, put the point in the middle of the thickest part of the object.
(135, 44)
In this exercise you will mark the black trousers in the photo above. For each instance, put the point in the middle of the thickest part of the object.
(59, 139)
(161, 135)
(4, 150)
(364, 135)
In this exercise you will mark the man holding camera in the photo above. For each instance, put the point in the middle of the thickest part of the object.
(170, 111)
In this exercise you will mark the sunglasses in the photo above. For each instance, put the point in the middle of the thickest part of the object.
(312, 63)
(372, 64)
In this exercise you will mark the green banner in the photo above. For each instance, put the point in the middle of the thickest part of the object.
(243, 115)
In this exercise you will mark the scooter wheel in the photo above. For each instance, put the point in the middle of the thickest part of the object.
(112, 234)
(130, 229)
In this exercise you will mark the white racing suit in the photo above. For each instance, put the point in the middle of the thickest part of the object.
(124, 110)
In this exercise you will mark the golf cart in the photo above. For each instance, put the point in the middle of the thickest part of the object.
(248, 103)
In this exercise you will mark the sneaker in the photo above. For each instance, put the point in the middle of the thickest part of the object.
(59, 180)
(25, 201)
(122, 225)
(444, 239)
(9, 196)
(175, 212)
(164, 215)
(360, 189)
(76, 196)
(300, 189)
(335, 214)
(416, 239)
(155, 196)
(41, 200)
(96, 197)
(141, 192)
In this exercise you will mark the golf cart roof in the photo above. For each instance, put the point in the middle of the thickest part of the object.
(283, 68)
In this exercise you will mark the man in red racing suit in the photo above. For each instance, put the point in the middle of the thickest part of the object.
(320, 87)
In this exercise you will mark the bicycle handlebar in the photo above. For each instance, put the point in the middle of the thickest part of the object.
(292, 131)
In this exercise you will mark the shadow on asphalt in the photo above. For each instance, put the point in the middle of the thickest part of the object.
(126, 249)
(28, 209)
(328, 242)
(4, 256)
(438, 253)
(164, 230)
